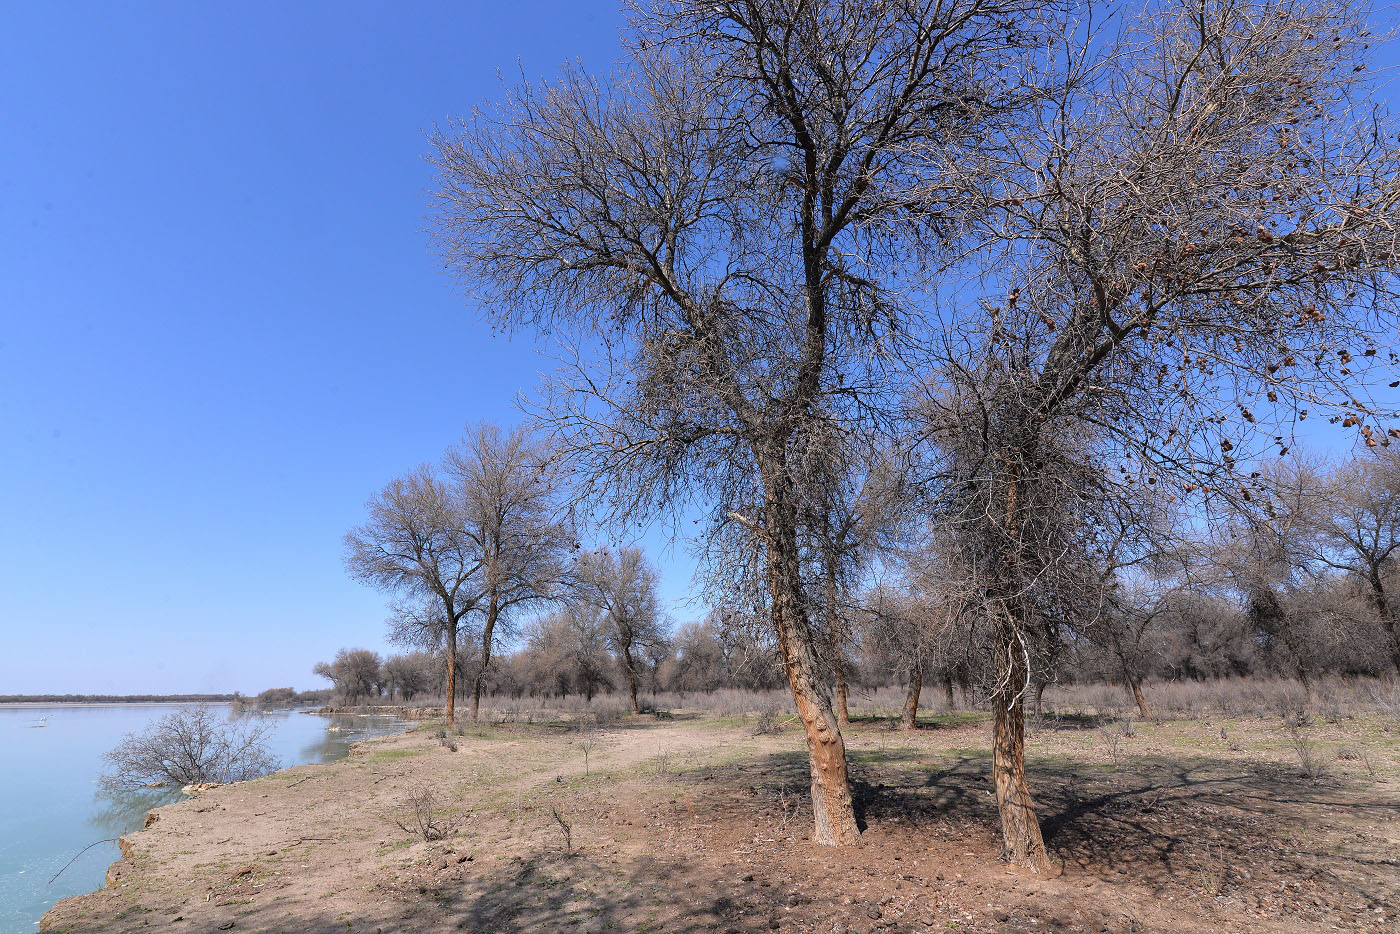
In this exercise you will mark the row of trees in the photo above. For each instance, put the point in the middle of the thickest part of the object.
(994, 298)
(468, 546)
(570, 652)
(1299, 586)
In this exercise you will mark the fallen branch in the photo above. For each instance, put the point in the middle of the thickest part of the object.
(80, 853)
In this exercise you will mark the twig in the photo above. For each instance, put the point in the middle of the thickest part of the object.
(80, 853)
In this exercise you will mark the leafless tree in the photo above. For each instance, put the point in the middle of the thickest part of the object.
(720, 217)
(1196, 233)
(510, 510)
(1357, 521)
(623, 587)
(409, 675)
(190, 746)
(415, 544)
(720, 220)
(913, 623)
(570, 648)
(356, 673)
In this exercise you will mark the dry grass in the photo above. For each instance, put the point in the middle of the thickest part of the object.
(1332, 700)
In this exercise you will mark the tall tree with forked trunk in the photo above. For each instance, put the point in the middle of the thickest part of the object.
(415, 545)
(713, 231)
(510, 508)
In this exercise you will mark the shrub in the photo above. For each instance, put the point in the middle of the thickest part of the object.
(189, 747)
(422, 817)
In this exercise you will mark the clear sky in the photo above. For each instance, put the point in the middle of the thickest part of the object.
(221, 327)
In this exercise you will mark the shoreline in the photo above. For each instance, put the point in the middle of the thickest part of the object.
(687, 824)
(119, 873)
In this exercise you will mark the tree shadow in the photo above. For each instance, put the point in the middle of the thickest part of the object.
(1073, 721)
(1159, 822)
(582, 892)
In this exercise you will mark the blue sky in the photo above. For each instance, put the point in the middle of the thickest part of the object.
(221, 327)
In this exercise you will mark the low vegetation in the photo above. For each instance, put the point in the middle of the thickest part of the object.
(190, 746)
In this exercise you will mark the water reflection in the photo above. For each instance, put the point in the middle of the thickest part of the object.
(119, 812)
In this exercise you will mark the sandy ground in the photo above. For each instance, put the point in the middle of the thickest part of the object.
(696, 824)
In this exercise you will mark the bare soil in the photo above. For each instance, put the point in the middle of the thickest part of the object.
(695, 823)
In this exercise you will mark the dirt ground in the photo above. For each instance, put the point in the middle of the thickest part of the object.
(694, 823)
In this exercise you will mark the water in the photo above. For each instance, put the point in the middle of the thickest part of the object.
(51, 807)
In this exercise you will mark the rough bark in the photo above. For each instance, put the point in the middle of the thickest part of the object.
(910, 720)
(1142, 707)
(948, 697)
(451, 711)
(843, 714)
(833, 810)
(1022, 843)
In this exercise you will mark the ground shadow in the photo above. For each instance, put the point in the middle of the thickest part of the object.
(1199, 823)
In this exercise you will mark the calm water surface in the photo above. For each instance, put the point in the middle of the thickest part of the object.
(51, 807)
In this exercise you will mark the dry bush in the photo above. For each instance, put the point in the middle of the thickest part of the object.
(423, 817)
(190, 746)
(768, 722)
(1113, 736)
(1309, 762)
(1235, 697)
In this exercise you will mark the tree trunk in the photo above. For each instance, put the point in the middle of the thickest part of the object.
(1022, 843)
(631, 677)
(833, 810)
(451, 672)
(486, 633)
(1144, 710)
(948, 697)
(1040, 696)
(910, 720)
(843, 714)
(843, 711)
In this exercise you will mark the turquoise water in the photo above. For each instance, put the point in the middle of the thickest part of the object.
(51, 807)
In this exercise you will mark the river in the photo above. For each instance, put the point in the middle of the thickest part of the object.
(51, 806)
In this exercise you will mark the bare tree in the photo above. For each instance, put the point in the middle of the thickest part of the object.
(571, 649)
(1266, 551)
(623, 587)
(356, 673)
(719, 218)
(190, 746)
(1358, 528)
(511, 519)
(415, 544)
(1196, 231)
(410, 675)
